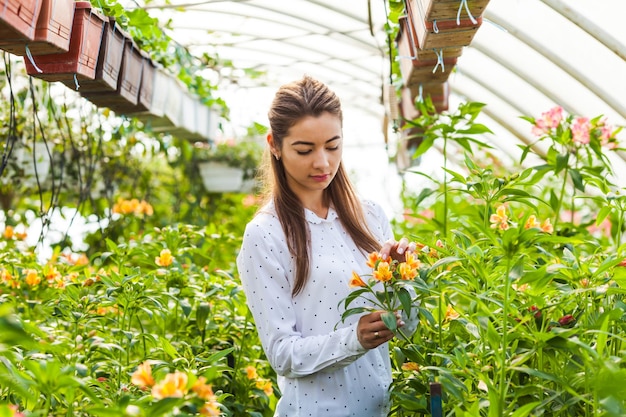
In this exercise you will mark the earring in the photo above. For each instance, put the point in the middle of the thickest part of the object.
(277, 157)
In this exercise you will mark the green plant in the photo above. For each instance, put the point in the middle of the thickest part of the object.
(245, 154)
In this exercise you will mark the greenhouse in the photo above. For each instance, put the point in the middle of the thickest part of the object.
(312, 208)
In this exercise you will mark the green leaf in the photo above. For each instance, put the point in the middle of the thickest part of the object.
(168, 348)
(577, 179)
(390, 320)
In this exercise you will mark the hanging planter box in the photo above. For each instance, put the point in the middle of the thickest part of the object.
(124, 98)
(186, 127)
(109, 61)
(408, 45)
(434, 34)
(218, 177)
(53, 29)
(79, 63)
(206, 120)
(171, 114)
(18, 19)
(451, 9)
(155, 117)
(146, 88)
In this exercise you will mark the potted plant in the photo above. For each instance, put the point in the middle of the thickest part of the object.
(224, 166)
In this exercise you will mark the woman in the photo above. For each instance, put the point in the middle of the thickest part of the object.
(297, 257)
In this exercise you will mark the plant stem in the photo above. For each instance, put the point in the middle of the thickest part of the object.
(557, 210)
(505, 329)
(445, 187)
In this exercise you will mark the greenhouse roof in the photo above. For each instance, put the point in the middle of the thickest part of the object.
(526, 57)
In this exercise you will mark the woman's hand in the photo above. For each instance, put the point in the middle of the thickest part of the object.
(397, 249)
(372, 332)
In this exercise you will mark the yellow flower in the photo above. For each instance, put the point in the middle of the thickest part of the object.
(406, 272)
(165, 258)
(203, 390)
(546, 226)
(142, 377)
(32, 277)
(251, 372)
(144, 208)
(266, 386)
(8, 279)
(412, 261)
(451, 313)
(173, 385)
(51, 273)
(8, 232)
(499, 219)
(356, 281)
(532, 223)
(210, 409)
(410, 366)
(383, 272)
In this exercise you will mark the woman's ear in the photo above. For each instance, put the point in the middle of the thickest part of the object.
(270, 141)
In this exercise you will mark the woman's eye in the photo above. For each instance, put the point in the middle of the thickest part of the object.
(303, 152)
(334, 148)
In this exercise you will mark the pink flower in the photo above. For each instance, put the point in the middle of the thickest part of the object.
(549, 120)
(580, 130)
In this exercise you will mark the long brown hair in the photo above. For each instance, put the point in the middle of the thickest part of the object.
(292, 102)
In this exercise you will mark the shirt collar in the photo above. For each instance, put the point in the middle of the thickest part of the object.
(313, 218)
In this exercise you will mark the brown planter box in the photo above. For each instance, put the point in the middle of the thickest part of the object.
(54, 29)
(146, 89)
(449, 9)
(79, 62)
(18, 19)
(126, 95)
(408, 45)
(109, 61)
(440, 33)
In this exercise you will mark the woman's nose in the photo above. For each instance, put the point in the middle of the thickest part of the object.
(321, 159)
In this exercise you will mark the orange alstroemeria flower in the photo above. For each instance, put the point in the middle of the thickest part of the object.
(142, 377)
(372, 259)
(210, 409)
(383, 272)
(407, 273)
(499, 219)
(546, 226)
(203, 390)
(173, 385)
(451, 313)
(32, 277)
(251, 372)
(410, 366)
(356, 281)
(532, 223)
(266, 386)
(8, 232)
(165, 258)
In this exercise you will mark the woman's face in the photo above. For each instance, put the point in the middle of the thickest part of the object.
(311, 153)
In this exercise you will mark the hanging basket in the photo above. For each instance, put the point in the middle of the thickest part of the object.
(218, 177)
(79, 63)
